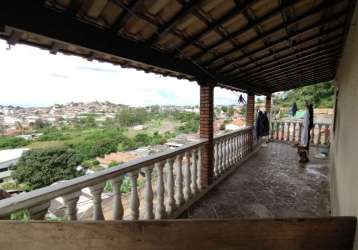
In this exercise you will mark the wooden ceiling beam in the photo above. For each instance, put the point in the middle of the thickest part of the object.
(33, 17)
(318, 36)
(237, 10)
(292, 82)
(298, 57)
(251, 25)
(177, 18)
(278, 61)
(319, 64)
(292, 36)
(311, 75)
(277, 83)
(297, 68)
(125, 15)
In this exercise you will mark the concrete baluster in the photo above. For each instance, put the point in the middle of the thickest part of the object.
(148, 194)
(193, 186)
(222, 158)
(38, 212)
(216, 160)
(187, 177)
(134, 199)
(70, 201)
(160, 212)
(199, 170)
(170, 204)
(96, 192)
(179, 196)
(117, 205)
(313, 134)
(282, 131)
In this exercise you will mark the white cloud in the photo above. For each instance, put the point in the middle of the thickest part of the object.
(34, 77)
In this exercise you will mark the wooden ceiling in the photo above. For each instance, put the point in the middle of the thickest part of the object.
(260, 46)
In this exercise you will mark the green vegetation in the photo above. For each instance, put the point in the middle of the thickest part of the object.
(126, 185)
(7, 142)
(132, 116)
(190, 121)
(22, 215)
(320, 95)
(41, 167)
(11, 185)
(65, 145)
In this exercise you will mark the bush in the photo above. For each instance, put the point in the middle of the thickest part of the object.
(142, 140)
(12, 142)
(53, 136)
(41, 167)
(100, 143)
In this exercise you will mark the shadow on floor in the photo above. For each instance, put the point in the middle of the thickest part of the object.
(270, 184)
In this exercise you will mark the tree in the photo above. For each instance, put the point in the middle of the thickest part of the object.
(40, 124)
(41, 167)
(132, 116)
(320, 95)
(142, 140)
(224, 109)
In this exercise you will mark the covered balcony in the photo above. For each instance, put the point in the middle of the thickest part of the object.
(258, 47)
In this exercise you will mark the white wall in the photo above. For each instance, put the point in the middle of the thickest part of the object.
(344, 151)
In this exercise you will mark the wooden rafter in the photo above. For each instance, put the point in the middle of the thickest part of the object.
(215, 25)
(186, 9)
(251, 25)
(291, 22)
(329, 57)
(292, 71)
(332, 41)
(292, 37)
(125, 15)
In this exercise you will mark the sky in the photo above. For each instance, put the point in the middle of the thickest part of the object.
(34, 77)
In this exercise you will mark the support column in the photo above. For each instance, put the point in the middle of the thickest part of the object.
(250, 112)
(250, 117)
(207, 131)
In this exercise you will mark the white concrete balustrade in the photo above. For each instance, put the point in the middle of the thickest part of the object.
(229, 149)
(172, 181)
(292, 131)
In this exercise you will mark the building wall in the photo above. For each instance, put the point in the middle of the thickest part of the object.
(344, 150)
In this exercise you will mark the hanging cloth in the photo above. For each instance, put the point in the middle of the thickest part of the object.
(305, 128)
(294, 109)
(262, 125)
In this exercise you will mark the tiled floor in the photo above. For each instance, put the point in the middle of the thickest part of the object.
(270, 184)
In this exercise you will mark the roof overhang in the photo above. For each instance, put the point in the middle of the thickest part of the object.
(260, 46)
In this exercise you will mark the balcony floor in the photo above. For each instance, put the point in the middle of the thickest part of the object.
(270, 184)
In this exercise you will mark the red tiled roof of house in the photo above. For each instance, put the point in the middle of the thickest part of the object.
(120, 157)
